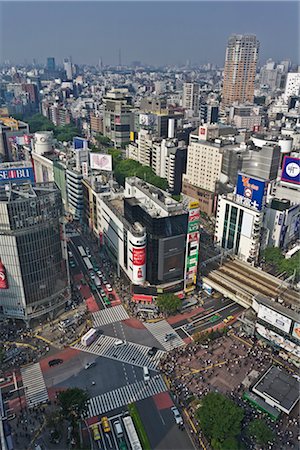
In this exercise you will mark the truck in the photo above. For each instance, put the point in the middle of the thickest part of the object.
(89, 337)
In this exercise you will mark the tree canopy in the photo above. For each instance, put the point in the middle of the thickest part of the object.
(220, 419)
(73, 403)
(168, 303)
(273, 255)
(260, 432)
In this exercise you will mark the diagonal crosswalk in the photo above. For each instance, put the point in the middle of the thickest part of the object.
(109, 315)
(159, 331)
(125, 395)
(130, 353)
(34, 384)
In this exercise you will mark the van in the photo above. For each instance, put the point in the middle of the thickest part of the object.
(146, 374)
(118, 429)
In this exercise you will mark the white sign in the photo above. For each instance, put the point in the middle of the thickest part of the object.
(85, 169)
(279, 321)
(282, 342)
(101, 162)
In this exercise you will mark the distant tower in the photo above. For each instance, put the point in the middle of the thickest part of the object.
(240, 69)
(100, 64)
(50, 63)
(120, 60)
(68, 68)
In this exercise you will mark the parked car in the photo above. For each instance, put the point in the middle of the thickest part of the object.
(152, 351)
(228, 319)
(55, 362)
(177, 416)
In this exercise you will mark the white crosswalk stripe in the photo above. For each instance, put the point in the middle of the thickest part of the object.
(109, 315)
(34, 384)
(130, 353)
(124, 395)
(159, 331)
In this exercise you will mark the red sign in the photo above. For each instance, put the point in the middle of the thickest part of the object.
(202, 131)
(193, 237)
(194, 215)
(3, 277)
(139, 256)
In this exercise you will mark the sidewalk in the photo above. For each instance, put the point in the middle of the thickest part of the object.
(183, 316)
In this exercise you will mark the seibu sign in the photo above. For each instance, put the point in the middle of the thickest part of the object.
(3, 277)
(17, 174)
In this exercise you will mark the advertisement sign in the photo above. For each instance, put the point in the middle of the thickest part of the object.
(193, 237)
(274, 318)
(16, 175)
(147, 120)
(101, 162)
(251, 192)
(139, 256)
(193, 226)
(278, 340)
(85, 169)
(192, 245)
(193, 205)
(291, 170)
(296, 330)
(3, 277)
(194, 215)
(79, 142)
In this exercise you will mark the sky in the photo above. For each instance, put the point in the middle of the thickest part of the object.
(158, 33)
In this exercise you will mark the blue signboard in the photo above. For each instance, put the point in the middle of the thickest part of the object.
(79, 143)
(291, 170)
(251, 192)
(17, 175)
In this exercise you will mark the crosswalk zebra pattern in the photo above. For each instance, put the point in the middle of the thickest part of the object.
(124, 395)
(159, 331)
(34, 384)
(109, 315)
(130, 353)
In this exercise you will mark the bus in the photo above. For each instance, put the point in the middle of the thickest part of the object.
(88, 264)
(89, 337)
(131, 433)
(81, 251)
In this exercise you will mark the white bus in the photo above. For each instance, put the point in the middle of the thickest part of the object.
(88, 263)
(132, 434)
(89, 337)
(81, 251)
(97, 281)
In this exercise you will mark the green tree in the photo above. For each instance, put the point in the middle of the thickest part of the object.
(103, 140)
(73, 403)
(168, 303)
(37, 122)
(220, 419)
(260, 432)
(66, 132)
(272, 255)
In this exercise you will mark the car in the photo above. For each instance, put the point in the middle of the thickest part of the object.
(111, 296)
(106, 300)
(108, 287)
(118, 429)
(152, 351)
(119, 343)
(228, 319)
(55, 362)
(105, 424)
(177, 416)
(99, 273)
(92, 275)
(89, 364)
(214, 318)
(169, 336)
(95, 431)
(146, 374)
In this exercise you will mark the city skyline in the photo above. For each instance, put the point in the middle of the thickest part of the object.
(144, 31)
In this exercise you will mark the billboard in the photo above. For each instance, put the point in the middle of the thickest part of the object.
(274, 318)
(3, 277)
(192, 244)
(101, 162)
(79, 142)
(251, 192)
(296, 330)
(16, 175)
(278, 340)
(147, 120)
(291, 170)
(138, 256)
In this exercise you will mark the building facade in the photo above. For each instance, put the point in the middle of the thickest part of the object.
(190, 99)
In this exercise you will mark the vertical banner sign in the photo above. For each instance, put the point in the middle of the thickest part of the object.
(192, 246)
(3, 277)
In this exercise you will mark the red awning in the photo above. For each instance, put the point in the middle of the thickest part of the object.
(142, 298)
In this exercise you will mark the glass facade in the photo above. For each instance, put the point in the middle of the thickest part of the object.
(35, 225)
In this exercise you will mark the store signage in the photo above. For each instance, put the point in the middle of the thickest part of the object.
(291, 170)
(139, 256)
(251, 192)
(3, 277)
(274, 318)
(17, 175)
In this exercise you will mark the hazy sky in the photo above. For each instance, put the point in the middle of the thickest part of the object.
(152, 32)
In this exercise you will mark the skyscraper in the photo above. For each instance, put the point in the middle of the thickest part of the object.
(190, 98)
(240, 69)
(68, 68)
(51, 64)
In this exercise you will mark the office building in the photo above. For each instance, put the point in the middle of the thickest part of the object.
(96, 123)
(10, 128)
(190, 99)
(209, 113)
(292, 86)
(117, 116)
(262, 162)
(68, 67)
(240, 69)
(33, 253)
(50, 64)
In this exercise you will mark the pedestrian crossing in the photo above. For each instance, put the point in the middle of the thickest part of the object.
(125, 395)
(34, 384)
(130, 353)
(159, 331)
(109, 315)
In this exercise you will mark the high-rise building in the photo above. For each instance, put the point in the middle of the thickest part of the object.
(33, 254)
(292, 86)
(117, 116)
(68, 68)
(50, 64)
(240, 69)
(190, 100)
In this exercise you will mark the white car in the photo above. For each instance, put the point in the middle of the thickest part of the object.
(178, 418)
(108, 287)
(119, 343)
(90, 364)
(92, 275)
